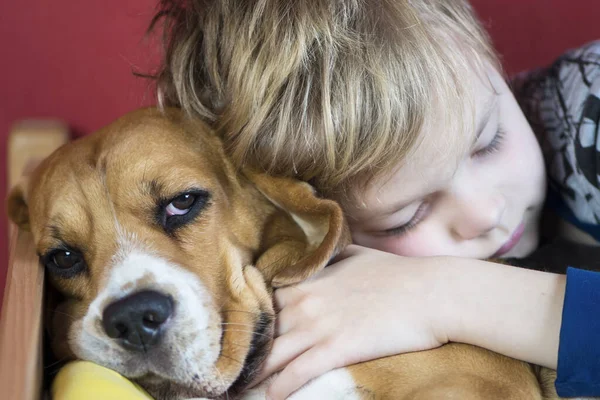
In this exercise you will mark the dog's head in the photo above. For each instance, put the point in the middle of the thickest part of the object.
(166, 254)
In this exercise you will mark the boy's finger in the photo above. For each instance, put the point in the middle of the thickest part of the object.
(309, 365)
(286, 296)
(285, 349)
(286, 320)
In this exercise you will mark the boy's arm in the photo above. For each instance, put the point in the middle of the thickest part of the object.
(512, 311)
(547, 319)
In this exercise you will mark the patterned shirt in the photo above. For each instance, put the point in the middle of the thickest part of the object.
(562, 104)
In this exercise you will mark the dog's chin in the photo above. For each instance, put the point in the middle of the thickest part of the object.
(164, 388)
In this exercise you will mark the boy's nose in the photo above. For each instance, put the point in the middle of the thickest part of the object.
(477, 215)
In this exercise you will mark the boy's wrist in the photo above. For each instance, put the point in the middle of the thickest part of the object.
(444, 274)
(450, 278)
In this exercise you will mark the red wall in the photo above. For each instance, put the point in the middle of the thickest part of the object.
(70, 60)
(530, 33)
(73, 59)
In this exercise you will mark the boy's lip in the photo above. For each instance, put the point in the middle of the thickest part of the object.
(512, 242)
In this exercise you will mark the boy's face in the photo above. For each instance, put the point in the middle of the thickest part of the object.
(444, 200)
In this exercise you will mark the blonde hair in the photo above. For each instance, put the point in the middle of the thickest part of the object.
(330, 91)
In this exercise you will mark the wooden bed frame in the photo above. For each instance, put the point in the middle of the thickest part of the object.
(21, 364)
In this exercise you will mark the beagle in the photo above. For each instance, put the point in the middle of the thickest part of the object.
(167, 255)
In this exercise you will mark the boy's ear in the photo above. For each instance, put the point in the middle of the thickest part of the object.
(16, 205)
(303, 238)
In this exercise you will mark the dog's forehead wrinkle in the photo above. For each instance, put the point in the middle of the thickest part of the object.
(102, 163)
(155, 188)
(76, 203)
(52, 231)
(150, 186)
(126, 240)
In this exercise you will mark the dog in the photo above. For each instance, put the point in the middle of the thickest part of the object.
(167, 255)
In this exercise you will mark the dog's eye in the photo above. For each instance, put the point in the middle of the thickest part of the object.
(66, 259)
(66, 263)
(182, 209)
(181, 204)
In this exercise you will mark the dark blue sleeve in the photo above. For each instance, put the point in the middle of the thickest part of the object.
(578, 371)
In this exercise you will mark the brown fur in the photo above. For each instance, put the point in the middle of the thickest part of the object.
(257, 233)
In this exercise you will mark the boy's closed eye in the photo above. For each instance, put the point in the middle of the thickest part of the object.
(493, 146)
(423, 209)
(420, 215)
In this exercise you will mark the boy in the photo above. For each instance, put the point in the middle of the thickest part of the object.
(398, 110)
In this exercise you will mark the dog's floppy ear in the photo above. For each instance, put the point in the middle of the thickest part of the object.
(303, 239)
(16, 205)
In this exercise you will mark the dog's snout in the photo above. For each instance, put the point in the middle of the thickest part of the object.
(137, 319)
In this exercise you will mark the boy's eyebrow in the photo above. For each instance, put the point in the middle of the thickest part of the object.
(489, 108)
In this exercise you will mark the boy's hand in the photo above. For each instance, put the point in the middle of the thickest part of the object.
(369, 304)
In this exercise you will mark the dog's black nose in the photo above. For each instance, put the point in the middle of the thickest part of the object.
(136, 319)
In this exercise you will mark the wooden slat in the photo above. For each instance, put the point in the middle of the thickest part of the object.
(21, 323)
(31, 141)
(21, 363)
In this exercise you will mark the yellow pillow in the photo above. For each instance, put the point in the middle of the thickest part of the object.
(85, 380)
